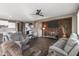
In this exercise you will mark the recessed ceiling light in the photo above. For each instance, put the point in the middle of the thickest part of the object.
(10, 16)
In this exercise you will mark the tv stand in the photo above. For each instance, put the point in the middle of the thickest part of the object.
(51, 37)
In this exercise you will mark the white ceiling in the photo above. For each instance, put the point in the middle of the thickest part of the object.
(24, 11)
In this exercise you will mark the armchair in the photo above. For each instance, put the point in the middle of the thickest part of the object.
(19, 39)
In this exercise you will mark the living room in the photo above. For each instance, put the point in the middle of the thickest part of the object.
(35, 30)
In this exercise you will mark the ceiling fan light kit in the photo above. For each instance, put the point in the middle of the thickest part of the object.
(39, 13)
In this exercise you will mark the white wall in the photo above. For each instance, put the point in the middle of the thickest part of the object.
(78, 23)
(74, 23)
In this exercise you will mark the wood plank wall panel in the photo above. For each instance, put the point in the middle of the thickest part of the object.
(21, 27)
(65, 22)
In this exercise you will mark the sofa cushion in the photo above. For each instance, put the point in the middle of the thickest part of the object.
(61, 43)
(71, 42)
(17, 36)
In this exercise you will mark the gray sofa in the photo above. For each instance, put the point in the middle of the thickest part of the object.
(65, 46)
(18, 38)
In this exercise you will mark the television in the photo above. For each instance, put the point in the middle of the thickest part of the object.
(53, 24)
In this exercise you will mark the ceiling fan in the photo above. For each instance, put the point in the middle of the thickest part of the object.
(38, 12)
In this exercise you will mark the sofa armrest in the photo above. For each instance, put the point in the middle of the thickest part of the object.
(60, 43)
(57, 50)
(25, 41)
(19, 43)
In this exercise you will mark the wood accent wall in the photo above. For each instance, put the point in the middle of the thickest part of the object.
(65, 22)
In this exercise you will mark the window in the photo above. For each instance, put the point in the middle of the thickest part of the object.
(5, 23)
(6, 26)
(11, 25)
